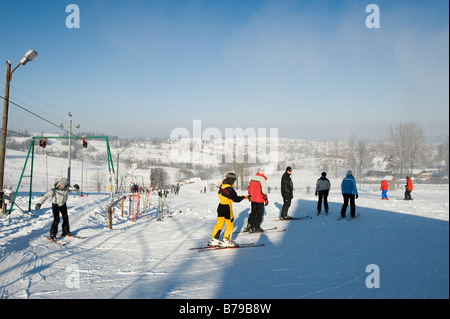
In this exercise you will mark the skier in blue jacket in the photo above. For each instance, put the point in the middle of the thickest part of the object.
(350, 193)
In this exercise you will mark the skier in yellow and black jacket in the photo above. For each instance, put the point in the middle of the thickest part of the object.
(227, 195)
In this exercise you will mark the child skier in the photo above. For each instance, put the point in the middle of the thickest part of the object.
(227, 195)
(59, 196)
(384, 189)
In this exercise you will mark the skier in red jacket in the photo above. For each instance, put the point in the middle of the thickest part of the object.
(384, 189)
(409, 188)
(257, 189)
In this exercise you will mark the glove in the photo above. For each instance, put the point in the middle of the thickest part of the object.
(356, 196)
(76, 186)
(315, 193)
(37, 207)
(266, 202)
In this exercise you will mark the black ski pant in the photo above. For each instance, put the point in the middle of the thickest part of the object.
(408, 195)
(256, 215)
(286, 205)
(347, 198)
(323, 196)
(65, 226)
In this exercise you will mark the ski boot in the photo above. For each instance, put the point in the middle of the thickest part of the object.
(214, 243)
(228, 243)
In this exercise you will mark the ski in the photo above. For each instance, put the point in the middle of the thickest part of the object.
(73, 236)
(294, 218)
(205, 248)
(270, 230)
(352, 218)
(348, 218)
(233, 247)
(60, 243)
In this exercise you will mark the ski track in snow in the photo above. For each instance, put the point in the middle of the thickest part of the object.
(317, 258)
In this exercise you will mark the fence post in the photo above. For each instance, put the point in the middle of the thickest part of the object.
(110, 210)
(110, 216)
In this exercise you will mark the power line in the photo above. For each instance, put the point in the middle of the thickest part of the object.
(44, 119)
(48, 121)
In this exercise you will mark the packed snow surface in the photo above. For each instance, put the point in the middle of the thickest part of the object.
(322, 257)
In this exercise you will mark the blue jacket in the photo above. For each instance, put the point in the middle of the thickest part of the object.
(348, 185)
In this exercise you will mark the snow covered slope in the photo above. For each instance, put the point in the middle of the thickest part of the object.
(317, 258)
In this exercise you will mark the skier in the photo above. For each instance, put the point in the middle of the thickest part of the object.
(59, 196)
(227, 195)
(287, 191)
(323, 186)
(409, 188)
(350, 193)
(257, 189)
(384, 189)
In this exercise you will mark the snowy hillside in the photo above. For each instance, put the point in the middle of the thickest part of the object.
(317, 258)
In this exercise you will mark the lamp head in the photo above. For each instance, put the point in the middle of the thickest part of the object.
(29, 56)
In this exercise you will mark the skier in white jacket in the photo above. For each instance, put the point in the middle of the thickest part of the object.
(59, 195)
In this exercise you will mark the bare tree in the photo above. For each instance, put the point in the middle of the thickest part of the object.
(99, 181)
(159, 178)
(363, 156)
(408, 140)
(351, 159)
(441, 156)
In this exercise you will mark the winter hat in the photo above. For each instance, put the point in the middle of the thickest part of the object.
(288, 168)
(63, 182)
(349, 172)
(231, 177)
(324, 174)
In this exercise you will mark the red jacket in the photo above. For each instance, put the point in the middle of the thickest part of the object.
(384, 185)
(258, 188)
(409, 184)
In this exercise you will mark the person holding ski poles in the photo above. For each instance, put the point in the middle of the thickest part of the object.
(227, 195)
(59, 195)
(409, 188)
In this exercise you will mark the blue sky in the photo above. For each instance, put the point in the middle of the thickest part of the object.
(312, 69)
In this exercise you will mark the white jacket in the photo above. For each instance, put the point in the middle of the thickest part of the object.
(59, 195)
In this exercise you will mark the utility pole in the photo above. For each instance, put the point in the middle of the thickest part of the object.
(117, 178)
(4, 131)
(29, 56)
(82, 168)
(70, 145)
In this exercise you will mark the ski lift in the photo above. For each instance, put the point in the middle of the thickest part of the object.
(43, 143)
(85, 144)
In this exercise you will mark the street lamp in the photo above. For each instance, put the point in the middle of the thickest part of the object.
(29, 56)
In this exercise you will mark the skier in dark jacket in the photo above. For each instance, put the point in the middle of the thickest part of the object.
(323, 186)
(287, 191)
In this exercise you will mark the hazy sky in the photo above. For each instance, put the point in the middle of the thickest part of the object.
(312, 69)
